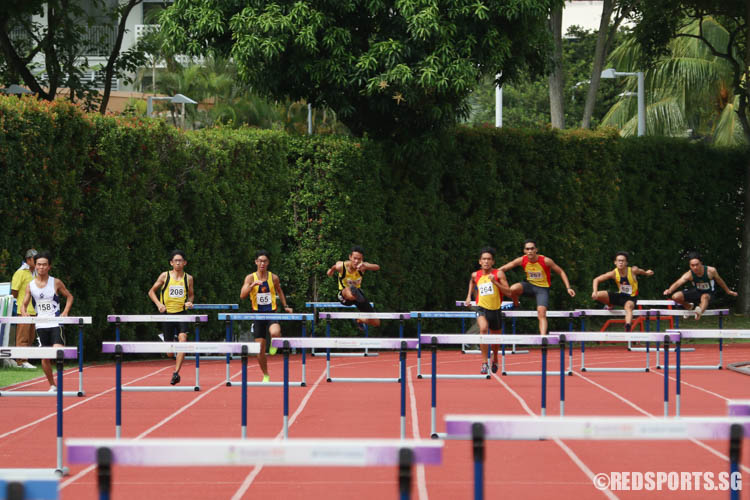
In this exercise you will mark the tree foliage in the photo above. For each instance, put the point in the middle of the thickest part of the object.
(387, 68)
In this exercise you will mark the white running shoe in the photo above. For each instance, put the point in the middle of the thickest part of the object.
(27, 365)
(52, 388)
(161, 337)
(698, 311)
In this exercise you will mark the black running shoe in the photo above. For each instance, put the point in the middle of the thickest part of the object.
(494, 367)
(175, 378)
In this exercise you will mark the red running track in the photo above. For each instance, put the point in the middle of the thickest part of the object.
(514, 469)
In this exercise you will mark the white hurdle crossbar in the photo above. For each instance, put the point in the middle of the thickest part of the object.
(302, 318)
(218, 307)
(267, 452)
(63, 320)
(197, 348)
(336, 305)
(479, 428)
(162, 318)
(434, 340)
(571, 315)
(59, 354)
(667, 338)
(462, 315)
(504, 305)
(348, 343)
(720, 335)
(37, 484)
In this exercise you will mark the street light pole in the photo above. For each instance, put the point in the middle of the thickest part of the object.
(611, 73)
(498, 103)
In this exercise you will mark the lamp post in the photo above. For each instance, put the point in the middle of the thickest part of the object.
(176, 99)
(498, 103)
(611, 73)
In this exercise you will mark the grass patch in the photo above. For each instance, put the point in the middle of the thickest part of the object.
(10, 376)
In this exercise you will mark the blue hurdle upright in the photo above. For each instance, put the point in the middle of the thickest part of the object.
(336, 305)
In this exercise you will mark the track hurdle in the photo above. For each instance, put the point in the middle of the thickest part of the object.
(336, 305)
(433, 340)
(267, 452)
(676, 314)
(161, 318)
(632, 337)
(479, 428)
(462, 315)
(59, 354)
(218, 307)
(504, 305)
(571, 315)
(347, 343)
(197, 348)
(62, 320)
(721, 335)
(28, 484)
(302, 318)
(360, 315)
(738, 407)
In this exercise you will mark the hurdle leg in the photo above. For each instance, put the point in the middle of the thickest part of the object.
(735, 452)
(104, 472)
(502, 361)
(721, 352)
(80, 361)
(118, 390)
(433, 409)
(583, 355)
(228, 338)
(60, 469)
(405, 463)
(304, 363)
(666, 376)
(677, 384)
(286, 389)
(544, 377)
(477, 439)
(419, 347)
(562, 375)
(402, 359)
(328, 353)
(243, 408)
(197, 360)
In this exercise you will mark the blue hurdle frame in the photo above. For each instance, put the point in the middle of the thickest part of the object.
(336, 305)
(217, 307)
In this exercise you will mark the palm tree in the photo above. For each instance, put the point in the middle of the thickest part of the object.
(688, 91)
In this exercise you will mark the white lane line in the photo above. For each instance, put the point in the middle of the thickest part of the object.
(421, 477)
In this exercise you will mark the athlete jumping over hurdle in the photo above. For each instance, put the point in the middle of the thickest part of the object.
(349, 277)
(261, 287)
(538, 280)
(701, 289)
(176, 294)
(491, 284)
(45, 292)
(627, 286)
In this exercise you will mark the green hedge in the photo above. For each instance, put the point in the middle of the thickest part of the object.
(110, 197)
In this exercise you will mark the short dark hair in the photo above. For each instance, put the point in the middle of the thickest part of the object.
(43, 255)
(529, 241)
(261, 252)
(487, 249)
(694, 255)
(176, 252)
(624, 254)
(357, 248)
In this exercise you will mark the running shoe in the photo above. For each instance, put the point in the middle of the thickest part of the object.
(175, 378)
(272, 350)
(485, 369)
(27, 365)
(698, 311)
(161, 337)
(52, 388)
(494, 367)
(266, 378)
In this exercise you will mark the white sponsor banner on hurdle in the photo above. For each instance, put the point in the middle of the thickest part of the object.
(265, 317)
(364, 315)
(63, 320)
(157, 318)
(711, 334)
(229, 452)
(503, 305)
(462, 338)
(38, 352)
(444, 314)
(651, 313)
(618, 336)
(513, 427)
(344, 342)
(182, 347)
(533, 314)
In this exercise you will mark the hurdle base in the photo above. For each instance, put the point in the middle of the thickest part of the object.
(159, 388)
(438, 435)
(525, 373)
(62, 472)
(696, 367)
(645, 370)
(652, 349)
(267, 384)
(354, 354)
(366, 379)
(453, 375)
(38, 393)
(471, 351)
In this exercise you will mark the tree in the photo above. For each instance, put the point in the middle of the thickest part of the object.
(62, 40)
(387, 68)
(660, 22)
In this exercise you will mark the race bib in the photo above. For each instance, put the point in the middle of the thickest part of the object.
(535, 275)
(486, 289)
(45, 308)
(354, 283)
(626, 289)
(703, 286)
(176, 291)
(264, 299)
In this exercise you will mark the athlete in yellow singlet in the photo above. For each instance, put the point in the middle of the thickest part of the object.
(261, 287)
(627, 286)
(350, 274)
(538, 280)
(175, 295)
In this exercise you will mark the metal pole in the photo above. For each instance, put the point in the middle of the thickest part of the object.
(641, 105)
